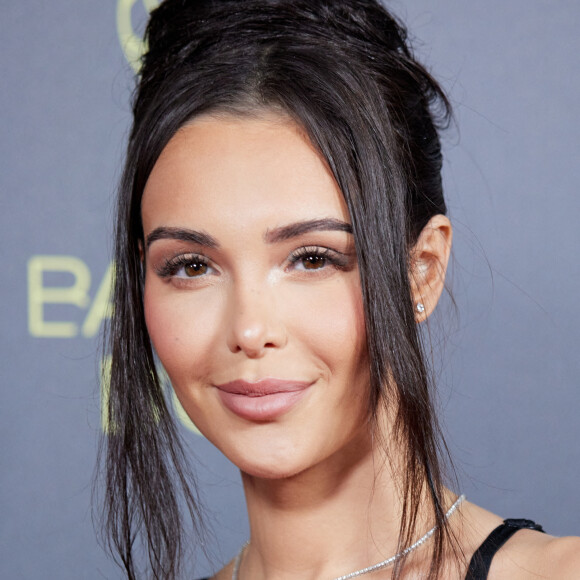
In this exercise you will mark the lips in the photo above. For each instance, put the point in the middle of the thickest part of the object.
(264, 400)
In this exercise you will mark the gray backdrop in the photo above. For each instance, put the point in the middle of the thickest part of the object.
(509, 372)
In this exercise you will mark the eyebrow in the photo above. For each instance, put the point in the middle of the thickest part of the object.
(274, 236)
(183, 235)
(294, 230)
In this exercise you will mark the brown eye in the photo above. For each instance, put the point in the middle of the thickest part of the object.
(194, 269)
(313, 262)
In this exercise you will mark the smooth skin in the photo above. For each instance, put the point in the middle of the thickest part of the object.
(251, 274)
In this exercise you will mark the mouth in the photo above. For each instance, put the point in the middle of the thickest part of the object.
(264, 400)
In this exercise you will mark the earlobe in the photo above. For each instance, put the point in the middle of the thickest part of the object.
(429, 259)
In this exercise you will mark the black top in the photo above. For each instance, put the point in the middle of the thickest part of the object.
(481, 561)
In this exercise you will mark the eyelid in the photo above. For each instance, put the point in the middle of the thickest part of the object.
(334, 257)
(171, 266)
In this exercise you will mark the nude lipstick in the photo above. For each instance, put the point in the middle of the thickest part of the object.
(264, 400)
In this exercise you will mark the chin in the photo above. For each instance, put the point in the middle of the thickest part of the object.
(264, 467)
(278, 463)
(273, 472)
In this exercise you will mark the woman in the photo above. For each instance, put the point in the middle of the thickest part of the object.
(281, 234)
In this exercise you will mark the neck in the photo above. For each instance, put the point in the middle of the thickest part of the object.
(339, 516)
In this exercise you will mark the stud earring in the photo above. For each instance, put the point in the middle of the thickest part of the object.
(420, 307)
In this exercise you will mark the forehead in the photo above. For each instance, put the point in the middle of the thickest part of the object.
(236, 168)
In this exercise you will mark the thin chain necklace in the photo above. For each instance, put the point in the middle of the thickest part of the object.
(375, 567)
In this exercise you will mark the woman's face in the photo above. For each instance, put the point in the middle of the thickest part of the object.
(252, 293)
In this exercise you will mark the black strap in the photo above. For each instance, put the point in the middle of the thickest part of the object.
(481, 560)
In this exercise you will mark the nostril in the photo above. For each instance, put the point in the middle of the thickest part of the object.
(252, 328)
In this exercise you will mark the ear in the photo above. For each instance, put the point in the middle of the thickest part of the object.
(429, 258)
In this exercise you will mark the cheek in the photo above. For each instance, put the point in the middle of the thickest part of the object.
(181, 333)
(331, 322)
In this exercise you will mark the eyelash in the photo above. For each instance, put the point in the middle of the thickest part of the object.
(329, 256)
(171, 267)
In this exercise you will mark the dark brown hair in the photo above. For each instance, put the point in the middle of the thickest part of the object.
(343, 70)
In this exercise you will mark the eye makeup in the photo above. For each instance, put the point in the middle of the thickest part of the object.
(193, 266)
(317, 258)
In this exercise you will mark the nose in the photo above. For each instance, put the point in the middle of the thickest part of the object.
(254, 324)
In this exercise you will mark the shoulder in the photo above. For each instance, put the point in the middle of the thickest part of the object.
(527, 555)
(533, 555)
(561, 557)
